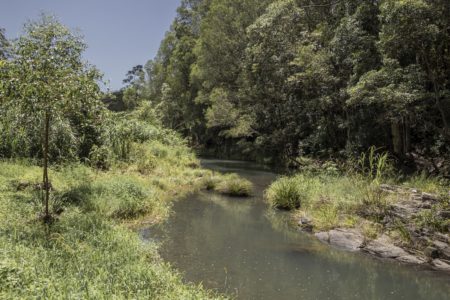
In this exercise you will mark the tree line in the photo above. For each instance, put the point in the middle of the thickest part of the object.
(276, 80)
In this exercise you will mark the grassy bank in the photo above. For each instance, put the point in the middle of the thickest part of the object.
(328, 198)
(90, 250)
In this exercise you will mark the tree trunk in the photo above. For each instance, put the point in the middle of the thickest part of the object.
(45, 179)
(397, 137)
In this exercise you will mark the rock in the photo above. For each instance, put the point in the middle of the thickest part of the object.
(343, 238)
(441, 237)
(411, 259)
(441, 265)
(431, 252)
(429, 197)
(405, 209)
(439, 245)
(322, 236)
(348, 239)
(390, 188)
(384, 247)
(425, 206)
(305, 221)
(305, 224)
(445, 214)
(445, 253)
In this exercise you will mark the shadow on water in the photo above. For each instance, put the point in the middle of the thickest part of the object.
(239, 247)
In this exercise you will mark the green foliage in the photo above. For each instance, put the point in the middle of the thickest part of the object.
(45, 75)
(276, 80)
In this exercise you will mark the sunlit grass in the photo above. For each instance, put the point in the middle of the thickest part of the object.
(89, 251)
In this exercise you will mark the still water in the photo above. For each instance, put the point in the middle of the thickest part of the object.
(241, 248)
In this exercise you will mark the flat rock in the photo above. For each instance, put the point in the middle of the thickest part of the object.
(348, 239)
(411, 259)
(384, 247)
(441, 265)
(429, 197)
(343, 238)
(445, 253)
(323, 236)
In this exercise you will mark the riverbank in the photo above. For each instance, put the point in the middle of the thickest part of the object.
(89, 251)
(408, 221)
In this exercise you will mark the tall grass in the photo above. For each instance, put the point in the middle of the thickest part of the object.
(228, 184)
(346, 198)
(89, 253)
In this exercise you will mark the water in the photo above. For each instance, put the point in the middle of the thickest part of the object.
(241, 248)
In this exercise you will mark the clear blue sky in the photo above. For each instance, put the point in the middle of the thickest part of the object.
(119, 34)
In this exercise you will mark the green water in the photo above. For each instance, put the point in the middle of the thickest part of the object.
(241, 248)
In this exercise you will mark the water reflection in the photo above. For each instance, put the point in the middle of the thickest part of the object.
(239, 247)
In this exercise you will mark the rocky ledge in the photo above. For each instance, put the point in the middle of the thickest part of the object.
(425, 247)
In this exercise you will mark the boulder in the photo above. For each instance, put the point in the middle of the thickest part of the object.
(429, 197)
(384, 247)
(343, 238)
(323, 236)
(441, 265)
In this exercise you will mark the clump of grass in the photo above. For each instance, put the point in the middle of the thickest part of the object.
(235, 186)
(331, 201)
(285, 193)
(210, 182)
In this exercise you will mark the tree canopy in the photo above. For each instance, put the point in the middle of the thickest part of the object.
(278, 79)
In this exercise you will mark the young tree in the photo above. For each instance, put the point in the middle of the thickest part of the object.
(47, 79)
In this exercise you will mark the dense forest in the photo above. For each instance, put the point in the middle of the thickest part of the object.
(275, 80)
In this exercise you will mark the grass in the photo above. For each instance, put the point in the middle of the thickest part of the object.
(90, 251)
(331, 201)
(230, 184)
(350, 199)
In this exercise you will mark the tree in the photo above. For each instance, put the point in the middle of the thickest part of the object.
(3, 45)
(47, 79)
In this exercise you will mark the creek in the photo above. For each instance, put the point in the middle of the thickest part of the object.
(240, 247)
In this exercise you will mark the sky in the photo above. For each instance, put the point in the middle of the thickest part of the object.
(119, 34)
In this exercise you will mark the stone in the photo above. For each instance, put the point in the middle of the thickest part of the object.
(444, 253)
(305, 224)
(305, 221)
(429, 197)
(343, 238)
(441, 237)
(348, 239)
(445, 214)
(441, 265)
(439, 245)
(384, 247)
(322, 236)
(425, 206)
(411, 259)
